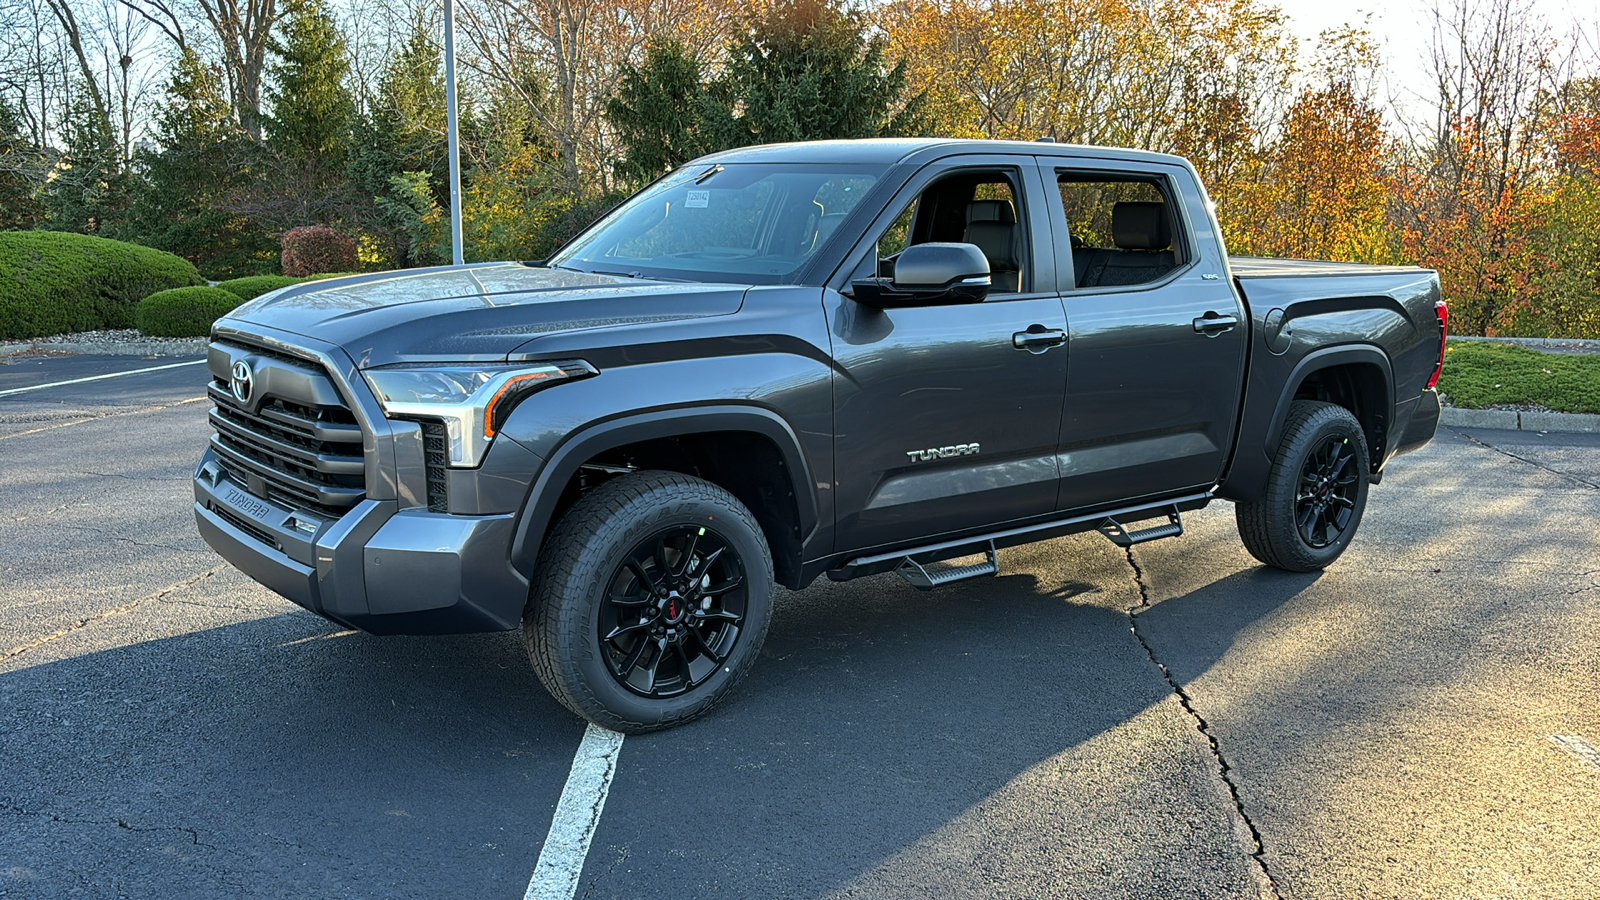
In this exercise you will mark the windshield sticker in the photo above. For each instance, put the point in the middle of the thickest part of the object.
(697, 200)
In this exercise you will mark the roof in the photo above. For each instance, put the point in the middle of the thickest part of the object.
(887, 151)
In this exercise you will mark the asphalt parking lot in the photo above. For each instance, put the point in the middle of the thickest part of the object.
(1418, 721)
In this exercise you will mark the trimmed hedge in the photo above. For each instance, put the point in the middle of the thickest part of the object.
(184, 312)
(53, 282)
(253, 286)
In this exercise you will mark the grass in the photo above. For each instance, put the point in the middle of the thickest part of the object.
(1480, 373)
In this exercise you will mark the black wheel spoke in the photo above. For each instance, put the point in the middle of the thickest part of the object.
(621, 630)
(688, 554)
(655, 664)
(717, 590)
(718, 615)
(683, 661)
(705, 647)
(643, 576)
(631, 661)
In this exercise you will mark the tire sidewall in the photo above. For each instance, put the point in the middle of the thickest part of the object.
(577, 607)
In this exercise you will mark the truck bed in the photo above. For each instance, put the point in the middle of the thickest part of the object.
(1263, 267)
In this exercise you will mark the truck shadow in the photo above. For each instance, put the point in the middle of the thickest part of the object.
(280, 757)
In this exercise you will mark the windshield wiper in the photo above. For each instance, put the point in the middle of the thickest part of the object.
(706, 176)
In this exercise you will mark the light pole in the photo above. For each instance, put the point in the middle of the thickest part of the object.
(451, 129)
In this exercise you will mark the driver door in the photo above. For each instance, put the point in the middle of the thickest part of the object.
(946, 417)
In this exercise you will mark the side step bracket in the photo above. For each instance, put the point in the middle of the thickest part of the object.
(927, 577)
(1122, 537)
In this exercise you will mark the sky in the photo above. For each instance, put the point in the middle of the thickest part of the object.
(1405, 29)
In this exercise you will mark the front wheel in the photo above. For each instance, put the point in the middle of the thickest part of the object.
(1316, 491)
(651, 601)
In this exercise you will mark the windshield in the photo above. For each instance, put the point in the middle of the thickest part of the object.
(746, 223)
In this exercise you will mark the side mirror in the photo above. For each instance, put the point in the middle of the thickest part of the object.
(929, 275)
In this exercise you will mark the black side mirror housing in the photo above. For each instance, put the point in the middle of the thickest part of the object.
(929, 275)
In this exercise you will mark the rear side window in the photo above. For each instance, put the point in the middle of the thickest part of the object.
(1123, 230)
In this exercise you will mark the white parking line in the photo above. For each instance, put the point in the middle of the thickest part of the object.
(40, 387)
(1578, 747)
(555, 876)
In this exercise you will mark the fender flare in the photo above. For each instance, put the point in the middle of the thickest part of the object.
(538, 508)
(1327, 358)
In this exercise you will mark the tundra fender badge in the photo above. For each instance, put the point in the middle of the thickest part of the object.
(942, 452)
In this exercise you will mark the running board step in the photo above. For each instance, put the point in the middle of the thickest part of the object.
(1122, 537)
(927, 577)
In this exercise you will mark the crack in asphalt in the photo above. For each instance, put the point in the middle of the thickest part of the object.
(194, 834)
(1537, 465)
(1224, 771)
(116, 537)
(109, 613)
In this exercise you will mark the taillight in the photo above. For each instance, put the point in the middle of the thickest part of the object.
(1443, 312)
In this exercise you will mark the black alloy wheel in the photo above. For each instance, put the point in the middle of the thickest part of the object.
(1315, 493)
(1328, 486)
(649, 602)
(673, 611)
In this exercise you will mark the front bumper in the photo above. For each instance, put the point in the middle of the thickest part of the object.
(377, 568)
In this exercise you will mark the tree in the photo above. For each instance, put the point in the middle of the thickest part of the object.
(22, 170)
(806, 70)
(243, 31)
(659, 111)
(312, 109)
(89, 188)
(398, 159)
(181, 203)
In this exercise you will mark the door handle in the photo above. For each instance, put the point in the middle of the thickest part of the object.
(1214, 323)
(1038, 339)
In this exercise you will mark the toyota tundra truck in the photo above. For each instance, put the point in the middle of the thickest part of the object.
(835, 358)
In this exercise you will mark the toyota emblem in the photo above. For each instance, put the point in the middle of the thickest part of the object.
(243, 381)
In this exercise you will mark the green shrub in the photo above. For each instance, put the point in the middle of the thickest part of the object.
(53, 282)
(184, 312)
(254, 286)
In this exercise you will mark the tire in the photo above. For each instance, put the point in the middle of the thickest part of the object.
(1324, 451)
(650, 603)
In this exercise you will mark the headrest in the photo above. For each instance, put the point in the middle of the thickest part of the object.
(991, 211)
(1140, 225)
(998, 241)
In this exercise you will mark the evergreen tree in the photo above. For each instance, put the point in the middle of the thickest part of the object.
(181, 204)
(89, 190)
(399, 158)
(312, 109)
(659, 112)
(22, 171)
(806, 70)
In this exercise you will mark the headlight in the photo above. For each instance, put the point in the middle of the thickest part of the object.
(472, 401)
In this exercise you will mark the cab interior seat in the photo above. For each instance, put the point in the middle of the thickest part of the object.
(992, 228)
(1142, 233)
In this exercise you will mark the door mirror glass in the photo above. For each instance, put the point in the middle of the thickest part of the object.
(929, 275)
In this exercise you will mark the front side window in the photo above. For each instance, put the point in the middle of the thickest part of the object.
(1123, 231)
(744, 223)
(978, 207)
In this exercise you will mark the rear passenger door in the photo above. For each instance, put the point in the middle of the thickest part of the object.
(1157, 335)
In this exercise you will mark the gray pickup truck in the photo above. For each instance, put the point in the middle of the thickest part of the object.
(839, 358)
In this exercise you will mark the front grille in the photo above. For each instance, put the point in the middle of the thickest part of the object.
(436, 451)
(298, 444)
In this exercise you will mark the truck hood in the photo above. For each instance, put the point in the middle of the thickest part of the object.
(477, 313)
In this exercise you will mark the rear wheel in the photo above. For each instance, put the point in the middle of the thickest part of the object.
(1316, 491)
(651, 601)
